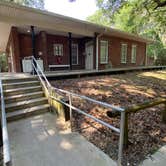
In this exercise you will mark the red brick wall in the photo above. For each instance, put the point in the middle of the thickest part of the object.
(114, 52)
(25, 45)
(54, 39)
(13, 42)
(22, 47)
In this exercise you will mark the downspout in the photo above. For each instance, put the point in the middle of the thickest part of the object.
(97, 48)
(70, 50)
(33, 48)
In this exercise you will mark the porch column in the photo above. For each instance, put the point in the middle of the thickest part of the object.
(70, 51)
(33, 41)
(33, 46)
(15, 48)
(43, 48)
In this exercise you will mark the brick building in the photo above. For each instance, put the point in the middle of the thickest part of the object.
(61, 42)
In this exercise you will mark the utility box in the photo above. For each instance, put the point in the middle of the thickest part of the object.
(27, 65)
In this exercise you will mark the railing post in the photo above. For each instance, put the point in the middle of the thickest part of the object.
(70, 103)
(121, 139)
(164, 113)
(125, 143)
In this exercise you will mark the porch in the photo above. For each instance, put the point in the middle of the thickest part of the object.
(62, 74)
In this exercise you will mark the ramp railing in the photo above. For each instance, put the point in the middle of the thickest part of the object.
(5, 137)
(49, 88)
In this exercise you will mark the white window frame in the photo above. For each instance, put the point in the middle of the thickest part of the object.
(105, 42)
(54, 49)
(123, 59)
(77, 54)
(133, 53)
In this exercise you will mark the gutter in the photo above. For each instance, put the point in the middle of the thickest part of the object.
(97, 48)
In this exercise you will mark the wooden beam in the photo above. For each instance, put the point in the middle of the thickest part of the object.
(144, 105)
(164, 114)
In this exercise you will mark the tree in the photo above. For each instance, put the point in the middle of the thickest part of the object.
(143, 17)
(31, 3)
(99, 18)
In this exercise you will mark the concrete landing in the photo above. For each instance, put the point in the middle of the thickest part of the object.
(157, 159)
(8, 75)
(40, 141)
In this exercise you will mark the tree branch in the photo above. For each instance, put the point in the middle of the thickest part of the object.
(159, 3)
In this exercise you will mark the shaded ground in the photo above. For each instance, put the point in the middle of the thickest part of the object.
(40, 141)
(146, 131)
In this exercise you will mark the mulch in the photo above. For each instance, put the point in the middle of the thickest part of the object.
(146, 130)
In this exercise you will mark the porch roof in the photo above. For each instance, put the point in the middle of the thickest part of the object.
(12, 14)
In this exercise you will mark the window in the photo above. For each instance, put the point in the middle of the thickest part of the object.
(133, 54)
(123, 53)
(58, 49)
(74, 53)
(103, 52)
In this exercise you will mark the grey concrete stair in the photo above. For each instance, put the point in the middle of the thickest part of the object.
(25, 104)
(33, 78)
(24, 90)
(23, 113)
(21, 84)
(22, 97)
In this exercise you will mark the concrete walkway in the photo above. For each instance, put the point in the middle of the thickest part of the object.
(157, 159)
(40, 141)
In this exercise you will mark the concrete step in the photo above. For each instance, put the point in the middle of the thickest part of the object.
(24, 113)
(14, 80)
(20, 84)
(22, 97)
(25, 104)
(24, 90)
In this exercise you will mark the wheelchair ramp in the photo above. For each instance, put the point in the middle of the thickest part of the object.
(39, 141)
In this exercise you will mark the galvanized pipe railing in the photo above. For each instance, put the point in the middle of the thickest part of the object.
(71, 107)
(5, 137)
(120, 110)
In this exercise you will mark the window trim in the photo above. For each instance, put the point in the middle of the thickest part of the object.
(121, 60)
(104, 41)
(77, 53)
(133, 46)
(54, 51)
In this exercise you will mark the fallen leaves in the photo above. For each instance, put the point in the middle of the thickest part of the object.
(146, 131)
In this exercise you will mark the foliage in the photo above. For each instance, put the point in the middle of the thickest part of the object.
(143, 17)
(31, 3)
(3, 63)
(99, 18)
(161, 60)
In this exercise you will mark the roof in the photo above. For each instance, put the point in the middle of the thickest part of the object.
(17, 15)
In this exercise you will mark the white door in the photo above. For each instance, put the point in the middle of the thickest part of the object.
(89, 56)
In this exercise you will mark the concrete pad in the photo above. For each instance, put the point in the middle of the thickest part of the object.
(157, 159)
(8, 75)
(39, 141)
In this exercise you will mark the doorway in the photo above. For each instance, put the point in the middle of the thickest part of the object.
(89, 56)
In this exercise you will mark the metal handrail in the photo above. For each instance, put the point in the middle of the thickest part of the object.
(91, 100)
(37, 68)
(70, 94)
(120, 110)
(5, 137)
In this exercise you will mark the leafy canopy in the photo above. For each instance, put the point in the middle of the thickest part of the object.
(143, 17)
(31, 3)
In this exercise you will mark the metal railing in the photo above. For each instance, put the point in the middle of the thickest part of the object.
(120, 130)
(5, 138)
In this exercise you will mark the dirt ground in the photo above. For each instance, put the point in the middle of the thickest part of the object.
(146, 130)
